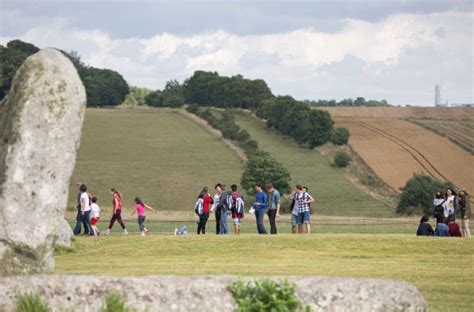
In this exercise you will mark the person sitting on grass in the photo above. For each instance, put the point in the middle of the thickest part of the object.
(441, 227)
(95, 216)
(425, 229)
(453, 228)
(140, 207)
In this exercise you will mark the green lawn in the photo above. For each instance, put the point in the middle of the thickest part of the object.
(441, 268)
(155, 153)
(334, 193)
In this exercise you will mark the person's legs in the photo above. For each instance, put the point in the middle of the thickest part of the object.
(199, 225)
(77, 228)
(120, 221)
(87, 223)
(307, 221)
(141, 223)
(224, 226)
(204, 221)
(112, 221)
(217, 214)
(259, 214)
(294, 224)
(465, 231)
(271, 218)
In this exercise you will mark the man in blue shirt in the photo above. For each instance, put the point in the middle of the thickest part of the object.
(273, 205)
(260, 206)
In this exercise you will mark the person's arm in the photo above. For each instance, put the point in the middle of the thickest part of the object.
(310, 200)
(289, 196)
(148, 207)
(115, 204)
(277, 199)
(133, 212)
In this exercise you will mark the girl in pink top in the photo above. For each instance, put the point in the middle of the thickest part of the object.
(140, 208)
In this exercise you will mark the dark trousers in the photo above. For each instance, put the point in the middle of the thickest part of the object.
(271, 217)
(86, 221)
(117, 216)
(259, 213)
(202, 223)
(141, 223)
(80, 219)
(218, 220)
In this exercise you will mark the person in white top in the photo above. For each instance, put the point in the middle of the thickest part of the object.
(449, 208)
(95, 216)
(86, 209)
(215, 205)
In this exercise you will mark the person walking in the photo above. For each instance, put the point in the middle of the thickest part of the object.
(117, 211)
(86, 210)
(95, 216)
(225, 205)
(217, 212)
(260, 206)
(424, 228)
(465, 212)
(303, 200)
(273, 206)
(79, 220)
(204, 216)
(140, 208)
(237, 209)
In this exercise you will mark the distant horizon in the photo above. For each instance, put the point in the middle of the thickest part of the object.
(397, 51)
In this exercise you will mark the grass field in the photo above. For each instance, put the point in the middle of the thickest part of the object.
(441, 268)
(157, 154)
(335, 195)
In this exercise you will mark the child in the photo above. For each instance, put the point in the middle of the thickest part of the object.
(95, 216)
(140, 207)
(453, 228)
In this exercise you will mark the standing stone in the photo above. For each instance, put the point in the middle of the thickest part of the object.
(40, 126)
(65, 234)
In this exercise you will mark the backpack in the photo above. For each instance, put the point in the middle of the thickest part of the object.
(198, 208)
(239, 205)
(228, 202)
(439, 210)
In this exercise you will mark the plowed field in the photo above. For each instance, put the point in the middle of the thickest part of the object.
(395, 149)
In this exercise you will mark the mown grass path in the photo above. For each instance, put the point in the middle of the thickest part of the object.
(441, 268)
(335, 194)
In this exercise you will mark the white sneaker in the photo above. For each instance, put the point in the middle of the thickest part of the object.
(107, 232)
(143, 233)
(124, 232)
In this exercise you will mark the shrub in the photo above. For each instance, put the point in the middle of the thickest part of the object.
(262, 168)
(265, 295)
(417, 194)
(342, 159)
(31, 303)
(193, 109)
(115, 303)
(340, 136)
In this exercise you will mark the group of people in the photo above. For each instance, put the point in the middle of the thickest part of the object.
(447, 206)
(88, 212)
(231, 203)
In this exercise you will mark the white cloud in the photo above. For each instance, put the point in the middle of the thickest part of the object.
(399, 58)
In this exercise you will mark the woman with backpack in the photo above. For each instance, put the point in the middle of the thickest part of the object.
(439, 205)
(117, 211)
(237, 208)
(203, 203)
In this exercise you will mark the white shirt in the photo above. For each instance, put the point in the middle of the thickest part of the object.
(95, 210)
(449, 208)
(216, 202)
(85, 199)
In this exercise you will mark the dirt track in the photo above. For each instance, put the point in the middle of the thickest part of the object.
(451, 113)
(396, 148)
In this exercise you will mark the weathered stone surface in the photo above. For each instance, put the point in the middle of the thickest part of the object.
(65, 234)
(40, 125)
(165, 293)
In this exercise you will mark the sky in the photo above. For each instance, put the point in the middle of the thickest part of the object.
(332, 49)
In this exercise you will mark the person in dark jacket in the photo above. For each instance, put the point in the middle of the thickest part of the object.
(465, 212)
(441, 227)
(425, 229)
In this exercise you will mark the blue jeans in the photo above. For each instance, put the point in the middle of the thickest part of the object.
(85, 221)
(259, 214)
(223, 226)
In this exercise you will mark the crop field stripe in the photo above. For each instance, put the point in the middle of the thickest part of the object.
(401, 144)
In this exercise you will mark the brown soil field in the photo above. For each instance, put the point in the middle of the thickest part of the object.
(395, 149)
(461, 132)
(451, 113)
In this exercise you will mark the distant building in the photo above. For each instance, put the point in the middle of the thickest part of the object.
(462, 105)
(437, 100)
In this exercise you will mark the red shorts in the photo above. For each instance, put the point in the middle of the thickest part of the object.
(94, 221)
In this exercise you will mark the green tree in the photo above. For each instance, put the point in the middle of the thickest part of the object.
(136, 97)
(104, 87)
(417, 194)
(262, 168)
(340, 136)
(320, 127)
(342, 159)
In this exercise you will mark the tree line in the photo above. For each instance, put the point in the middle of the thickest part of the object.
(359, 101)
(104, 87)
